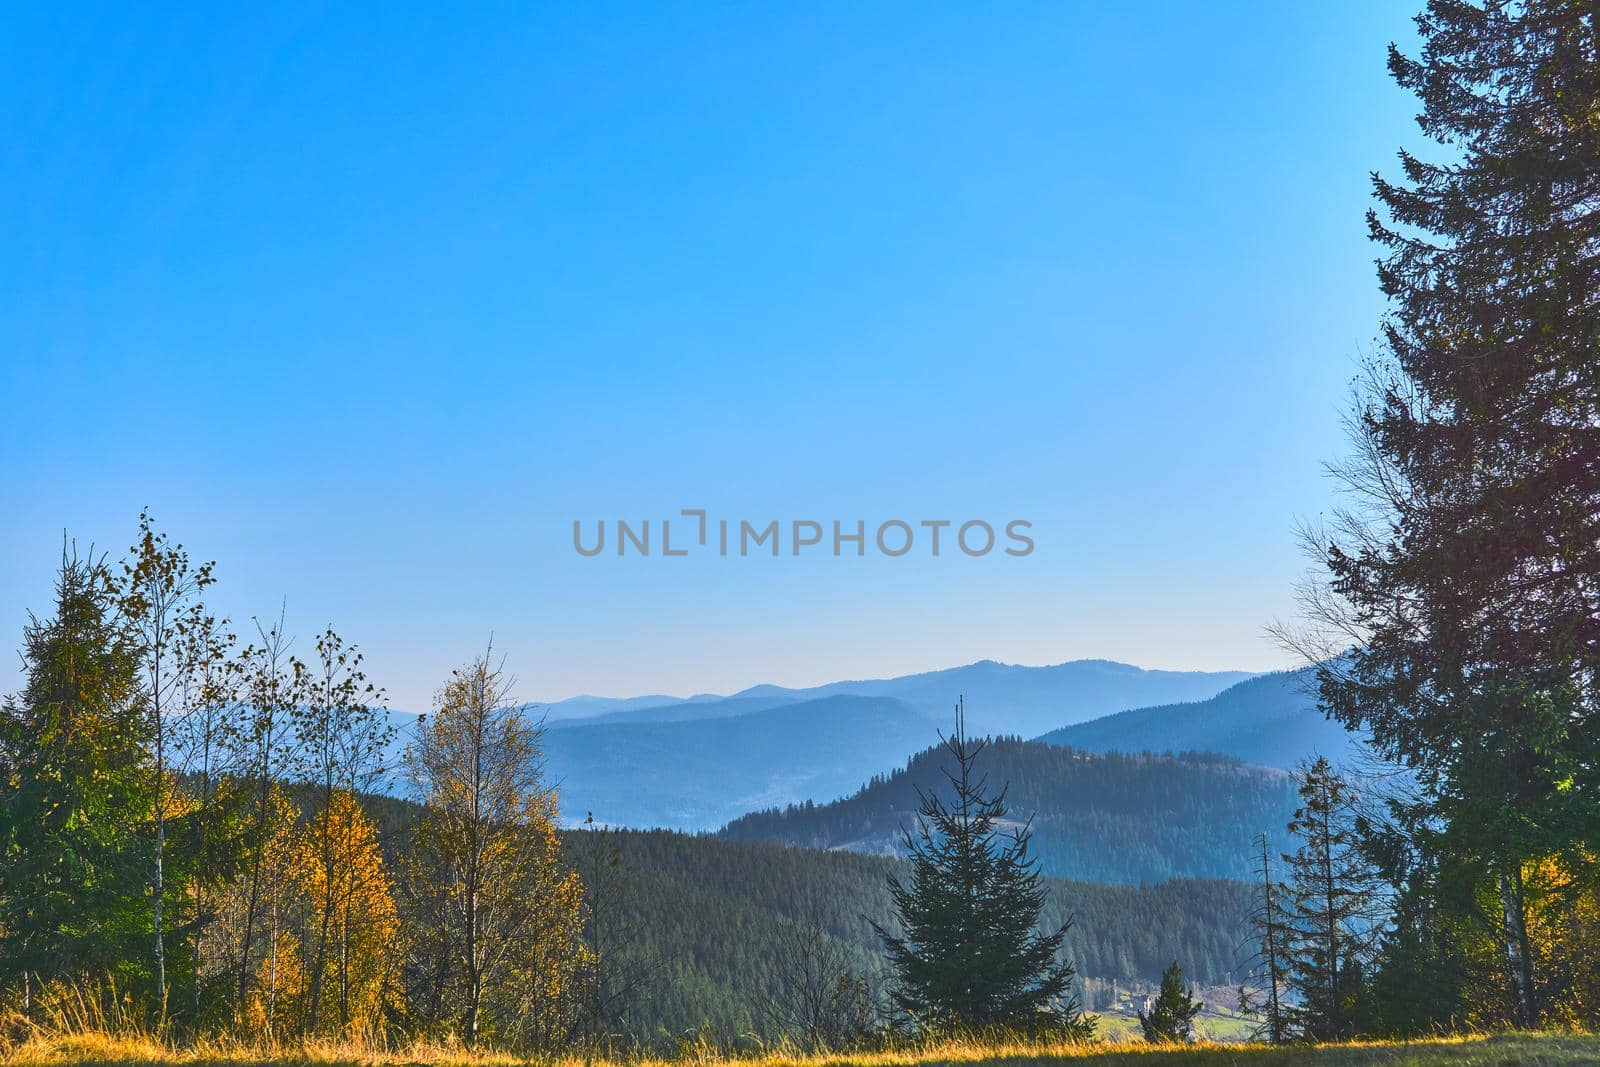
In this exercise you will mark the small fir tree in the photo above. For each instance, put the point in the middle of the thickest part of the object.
(970, 954)
(1171, 1018)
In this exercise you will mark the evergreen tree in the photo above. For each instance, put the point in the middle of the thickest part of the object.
(969, 954)
(1466, 576)
(1171, 1018)
(1270, 932)
(1332, 911)
(1421, 976)
(75, 796)
(1420, 983)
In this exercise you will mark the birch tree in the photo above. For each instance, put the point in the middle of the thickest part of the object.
(158, 598)
(505, 914)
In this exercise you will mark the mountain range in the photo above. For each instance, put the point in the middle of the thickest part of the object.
(699, 773)
(696, 763)
(1002, 698)
(1272, 719)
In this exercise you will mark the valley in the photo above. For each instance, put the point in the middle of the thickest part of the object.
(698, 763)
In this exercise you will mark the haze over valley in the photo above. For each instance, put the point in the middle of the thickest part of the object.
(700, 763)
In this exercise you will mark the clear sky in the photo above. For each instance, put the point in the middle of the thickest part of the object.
(369, 304)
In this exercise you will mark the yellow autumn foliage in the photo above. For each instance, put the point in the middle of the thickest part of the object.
(1564, 929)
(340, 876)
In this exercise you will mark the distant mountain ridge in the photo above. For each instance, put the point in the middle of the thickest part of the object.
(696, 774)
(679, 711)
(1272, 719)
(1002, 698)
(1010, 698)
(583, 707)
(696, 764)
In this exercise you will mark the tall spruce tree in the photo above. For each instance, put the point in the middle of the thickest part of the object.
(969, 954)
(1467, 575)
(1333, 911)
(75, 796)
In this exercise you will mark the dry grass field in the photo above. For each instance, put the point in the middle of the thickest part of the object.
(1501, 1050)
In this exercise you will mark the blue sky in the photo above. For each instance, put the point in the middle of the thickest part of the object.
(369, 305)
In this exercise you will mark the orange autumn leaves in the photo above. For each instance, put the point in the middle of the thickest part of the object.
(1564, 929)
(325, 874)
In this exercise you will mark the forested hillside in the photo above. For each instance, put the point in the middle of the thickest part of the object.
(706, 919)
(1271, 720)
(702, 921)
(1117, 818)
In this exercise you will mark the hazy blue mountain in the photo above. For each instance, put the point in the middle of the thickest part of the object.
(695, 763)
(1002, 698)
(1271, 720)
(583, 707)
(698, 774)
(681, 711)
(1127, 819)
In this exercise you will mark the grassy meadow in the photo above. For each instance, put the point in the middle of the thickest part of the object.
(1500, 1050)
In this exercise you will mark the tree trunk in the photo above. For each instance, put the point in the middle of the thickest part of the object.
(202, 844)
(1518, 959)
(157, 893)
(263, 800)
(319, 960)
(199, 923)
(344, 969)
(1274, 1007)
(158, 880)
(272, 968)
(469, 1026)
